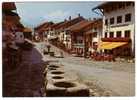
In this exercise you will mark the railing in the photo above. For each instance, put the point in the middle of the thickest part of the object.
(78, 45)
(94, 30)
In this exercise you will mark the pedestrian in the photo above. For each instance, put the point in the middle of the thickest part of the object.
(61, 54)
(48, 47)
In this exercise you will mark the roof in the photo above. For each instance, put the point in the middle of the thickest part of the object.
(20, 25)
(79, 26)
(11, 14)
(96, 23)
(56, 25)
(27, 30)
(8, 6)
(45, 24)
(68, 23)
(101, 6)
(89, 32)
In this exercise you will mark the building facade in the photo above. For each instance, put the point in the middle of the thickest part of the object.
(118, 35)
(41, 31)
(78, 38)
(93, 37)
(65, 36)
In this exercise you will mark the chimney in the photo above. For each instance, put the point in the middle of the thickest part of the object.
(78, 14)
(69, 17)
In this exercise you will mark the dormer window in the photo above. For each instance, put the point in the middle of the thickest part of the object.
(127, 33)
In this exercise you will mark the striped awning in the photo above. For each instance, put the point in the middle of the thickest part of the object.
(111, 45)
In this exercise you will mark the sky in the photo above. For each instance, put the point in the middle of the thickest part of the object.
(34, 13)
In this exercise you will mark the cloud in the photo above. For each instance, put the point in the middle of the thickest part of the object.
(57, 15)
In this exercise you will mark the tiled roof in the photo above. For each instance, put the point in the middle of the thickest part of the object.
(8, 6)
(110, 3)
(79, 26)
(56, 25)
(96, 23)
(27, 30)
(68, 23)
(44, 25)
(60, 25)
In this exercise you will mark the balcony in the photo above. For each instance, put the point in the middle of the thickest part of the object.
(94, 30)
(79, 45)
(116, 39)
(95, 39)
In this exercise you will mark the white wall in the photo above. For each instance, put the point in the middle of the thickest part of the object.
(51, 34)
(127, 25)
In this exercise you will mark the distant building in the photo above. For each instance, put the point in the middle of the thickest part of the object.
(93, 37)
(53, 32)
(64, 36)
(118, 36)
(41, 31)
(27, 32)
(77, 33)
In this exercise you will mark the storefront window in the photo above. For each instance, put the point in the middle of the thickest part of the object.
(111, 34)
(127, 33)
(105, 34)
(118, 33)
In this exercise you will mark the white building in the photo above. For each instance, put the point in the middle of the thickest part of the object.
(65, 38)
(51, 34)
(118, 27)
